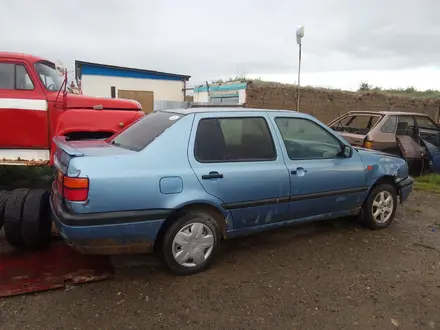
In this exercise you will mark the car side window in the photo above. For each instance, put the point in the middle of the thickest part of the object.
(22, 79)
(7, 80)
(233, 140)
(405, 125)
(14, 76)
(305, 139)
(390, 125)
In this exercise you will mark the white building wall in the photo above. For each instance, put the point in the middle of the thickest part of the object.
(204, 97)
(201, 97)
(241, 96)
(164, 90)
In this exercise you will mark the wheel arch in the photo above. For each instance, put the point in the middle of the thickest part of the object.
(220, 215)
(385, 179)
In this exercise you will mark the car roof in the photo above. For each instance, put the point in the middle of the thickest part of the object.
(22, 56)
(387, 113)
(231, 110)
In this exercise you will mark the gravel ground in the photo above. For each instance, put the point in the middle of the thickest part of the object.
(333, 275)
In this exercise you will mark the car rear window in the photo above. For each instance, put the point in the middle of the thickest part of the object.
(356, 124)
(146, 130)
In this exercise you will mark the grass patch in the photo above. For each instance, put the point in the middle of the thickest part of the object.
(429, 183)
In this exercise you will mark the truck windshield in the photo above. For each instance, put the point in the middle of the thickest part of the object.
(145, 130)
(48, 76)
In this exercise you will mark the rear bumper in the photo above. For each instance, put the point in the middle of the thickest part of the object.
(108, 233)
(405, 188)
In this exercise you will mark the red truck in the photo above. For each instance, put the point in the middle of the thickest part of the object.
(35, 106)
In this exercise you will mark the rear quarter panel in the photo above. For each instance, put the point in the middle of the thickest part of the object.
(384, 141)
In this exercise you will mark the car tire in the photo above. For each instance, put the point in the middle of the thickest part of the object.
(3, 199)
(36, 224)
(13, 217)
(195, 234)
(380, 207)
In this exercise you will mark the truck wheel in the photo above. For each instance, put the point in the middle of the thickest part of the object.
(13, 216)
(3, 199)
(380, 207)
(36, 224)
(189, 244)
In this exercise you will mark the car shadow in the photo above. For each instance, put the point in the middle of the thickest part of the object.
(280, 236)
(233, 250)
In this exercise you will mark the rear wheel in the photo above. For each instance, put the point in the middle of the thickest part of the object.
(36, 223)
(380, 207)
(14, 216)
(3, 199)
(190, 243)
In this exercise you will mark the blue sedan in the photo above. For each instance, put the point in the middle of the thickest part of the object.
(180, 181)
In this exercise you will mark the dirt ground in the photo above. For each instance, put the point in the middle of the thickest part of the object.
(333, 275)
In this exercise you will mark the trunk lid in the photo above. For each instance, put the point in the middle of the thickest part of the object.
(66, 151)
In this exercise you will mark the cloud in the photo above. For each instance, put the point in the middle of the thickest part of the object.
(208, 39)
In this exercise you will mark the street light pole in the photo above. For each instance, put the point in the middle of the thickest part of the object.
(299, 36)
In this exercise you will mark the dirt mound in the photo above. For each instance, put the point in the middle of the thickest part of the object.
(326, 104)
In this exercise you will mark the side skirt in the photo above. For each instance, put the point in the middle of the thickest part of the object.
(320, 217)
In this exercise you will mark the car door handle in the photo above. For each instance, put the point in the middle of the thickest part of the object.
(298, 169)
(212, 175)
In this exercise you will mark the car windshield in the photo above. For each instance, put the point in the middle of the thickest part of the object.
(139, 135)
(49, 76)
(356, 124)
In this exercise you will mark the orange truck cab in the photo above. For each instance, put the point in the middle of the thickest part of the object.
(34, 108)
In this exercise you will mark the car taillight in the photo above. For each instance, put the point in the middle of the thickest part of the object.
(72, 189)
(75, 189)
(368, 144)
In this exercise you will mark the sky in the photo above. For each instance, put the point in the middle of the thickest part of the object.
(387, 43)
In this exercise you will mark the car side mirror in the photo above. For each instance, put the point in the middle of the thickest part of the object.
(347, 151)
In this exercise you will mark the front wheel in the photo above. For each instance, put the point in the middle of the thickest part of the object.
(380, 207)
(190, 243)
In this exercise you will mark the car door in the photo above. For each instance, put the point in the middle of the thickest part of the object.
(236, 159)
(23, 108)
(430, 135)
(322, 180)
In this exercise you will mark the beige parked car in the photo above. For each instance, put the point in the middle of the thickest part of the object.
(413, 136)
